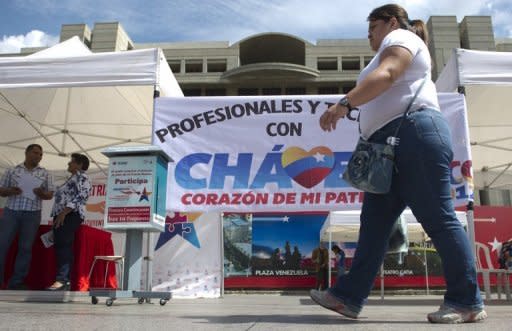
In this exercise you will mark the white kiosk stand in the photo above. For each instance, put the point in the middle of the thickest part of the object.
(135, 203)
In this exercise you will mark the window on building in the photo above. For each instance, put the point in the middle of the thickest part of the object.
(175, 66)
(350, 63)
(295, 91)
(346, 89)
(248, 91)
(213, 92)
(193, 66)
(327, 63)
(216, 65)
(328, 90)
(367, 60)
(271, 91)
(192, 92)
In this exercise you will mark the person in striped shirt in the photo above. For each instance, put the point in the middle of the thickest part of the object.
(22, 214)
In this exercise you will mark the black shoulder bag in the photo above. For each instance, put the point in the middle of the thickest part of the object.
(370, 168)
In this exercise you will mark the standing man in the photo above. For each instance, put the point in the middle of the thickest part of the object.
(320, 257)
(25, 186)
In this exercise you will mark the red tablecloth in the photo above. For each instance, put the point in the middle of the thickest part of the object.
(89, 242)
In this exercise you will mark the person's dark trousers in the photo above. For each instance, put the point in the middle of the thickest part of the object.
(64, 236)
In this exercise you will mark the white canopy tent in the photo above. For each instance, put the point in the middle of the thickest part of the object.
(343, 226)
(486, 80)
(68, 99)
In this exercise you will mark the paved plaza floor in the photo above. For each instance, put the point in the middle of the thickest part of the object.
(233, 312)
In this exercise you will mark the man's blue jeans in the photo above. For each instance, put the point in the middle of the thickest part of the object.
(26, 224)
(422, 182)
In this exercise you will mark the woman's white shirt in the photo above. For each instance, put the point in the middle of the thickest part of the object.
(393, 102)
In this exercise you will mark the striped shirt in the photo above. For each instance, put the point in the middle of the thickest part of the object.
(21, 202)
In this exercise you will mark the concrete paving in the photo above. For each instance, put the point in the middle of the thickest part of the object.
(233, 312)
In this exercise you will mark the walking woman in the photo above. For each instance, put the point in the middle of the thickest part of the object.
(400, 69)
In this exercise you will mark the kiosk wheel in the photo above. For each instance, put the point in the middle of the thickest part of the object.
(109, 302)
(163, 302)
(140, 301)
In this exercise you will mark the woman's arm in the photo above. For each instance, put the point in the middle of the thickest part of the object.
(394, 61)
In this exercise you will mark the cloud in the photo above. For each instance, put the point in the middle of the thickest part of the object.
(35, 38)
(234, 20)
(500, 10)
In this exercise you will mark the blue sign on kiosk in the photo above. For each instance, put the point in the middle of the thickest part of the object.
(135, 203)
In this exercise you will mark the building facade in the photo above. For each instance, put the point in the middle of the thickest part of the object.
(283, 64)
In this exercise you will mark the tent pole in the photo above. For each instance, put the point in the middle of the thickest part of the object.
(382, 281)
(222, 274)
(329, 255)
(426, 265)
(471, 227)
(149, 263)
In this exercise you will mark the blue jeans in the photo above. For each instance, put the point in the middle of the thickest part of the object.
(26, 224)
(64, 236)
(422, 182)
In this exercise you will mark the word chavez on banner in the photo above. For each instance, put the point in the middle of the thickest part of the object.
(265, 154)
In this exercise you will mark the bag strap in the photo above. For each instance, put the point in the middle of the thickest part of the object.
(410, 104)
(406, 110)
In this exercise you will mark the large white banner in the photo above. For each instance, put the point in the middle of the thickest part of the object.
(268, 153)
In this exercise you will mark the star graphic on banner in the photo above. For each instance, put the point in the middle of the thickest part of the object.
(319, 157)
(495, 244)
(286, 219)
(144, 195)
(178, 225)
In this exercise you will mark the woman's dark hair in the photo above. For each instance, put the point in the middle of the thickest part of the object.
(389, 11)
(81, 159)
(336, 248)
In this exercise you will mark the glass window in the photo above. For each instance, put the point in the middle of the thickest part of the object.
(346, 89)
(295, 91)
(175, 66)
(328, 90)
(192, 92)
(367, 60)
(350, 63)
(248, 91)
(327, 63)
(212, 92)
(216, 65)
(194, 66)
(271, 91)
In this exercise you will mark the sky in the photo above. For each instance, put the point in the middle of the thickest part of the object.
(36, 23)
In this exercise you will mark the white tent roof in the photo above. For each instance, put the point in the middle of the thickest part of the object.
(487, 81)
(344, 226)
(68, 99)
(469, 67)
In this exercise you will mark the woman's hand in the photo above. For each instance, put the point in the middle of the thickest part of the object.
(59, 220)
(331, 116)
